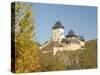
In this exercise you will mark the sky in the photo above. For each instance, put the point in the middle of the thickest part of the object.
(82, 19)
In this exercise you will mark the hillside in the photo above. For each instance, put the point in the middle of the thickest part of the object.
(68, 60)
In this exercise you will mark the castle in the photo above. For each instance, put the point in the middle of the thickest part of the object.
(60, 43)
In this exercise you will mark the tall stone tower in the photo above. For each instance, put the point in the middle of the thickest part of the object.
(58, 32)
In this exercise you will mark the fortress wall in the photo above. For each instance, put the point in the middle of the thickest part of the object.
(72, 47)
(82, 43)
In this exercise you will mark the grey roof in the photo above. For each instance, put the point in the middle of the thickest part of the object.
(57, 25)
(71, 34)
(81, 38)
(50, 46)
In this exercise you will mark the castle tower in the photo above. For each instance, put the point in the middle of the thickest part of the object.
(58, 32)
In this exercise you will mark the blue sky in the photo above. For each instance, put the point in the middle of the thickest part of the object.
(82, 19)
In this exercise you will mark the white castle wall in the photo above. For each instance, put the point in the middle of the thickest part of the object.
(67, 47)
(58, 34)
(82, 43)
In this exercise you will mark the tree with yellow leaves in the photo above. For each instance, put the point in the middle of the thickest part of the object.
(26, 48)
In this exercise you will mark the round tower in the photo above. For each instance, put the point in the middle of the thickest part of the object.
(58, 32)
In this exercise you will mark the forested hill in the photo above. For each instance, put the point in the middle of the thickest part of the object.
(67, 60)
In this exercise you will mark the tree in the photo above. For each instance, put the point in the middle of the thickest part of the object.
(27, 49)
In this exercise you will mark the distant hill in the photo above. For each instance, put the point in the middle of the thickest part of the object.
(68, 60)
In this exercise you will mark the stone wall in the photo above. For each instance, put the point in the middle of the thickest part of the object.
(71, 46)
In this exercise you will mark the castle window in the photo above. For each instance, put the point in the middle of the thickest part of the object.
(61, 34)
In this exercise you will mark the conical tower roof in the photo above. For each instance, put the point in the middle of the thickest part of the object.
(71, 34)
(58, 24)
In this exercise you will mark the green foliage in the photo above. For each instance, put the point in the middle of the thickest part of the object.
(51, 63)
(89, 55)
(71, 60)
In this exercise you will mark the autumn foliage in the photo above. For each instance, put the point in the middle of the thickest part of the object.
(26, 48)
